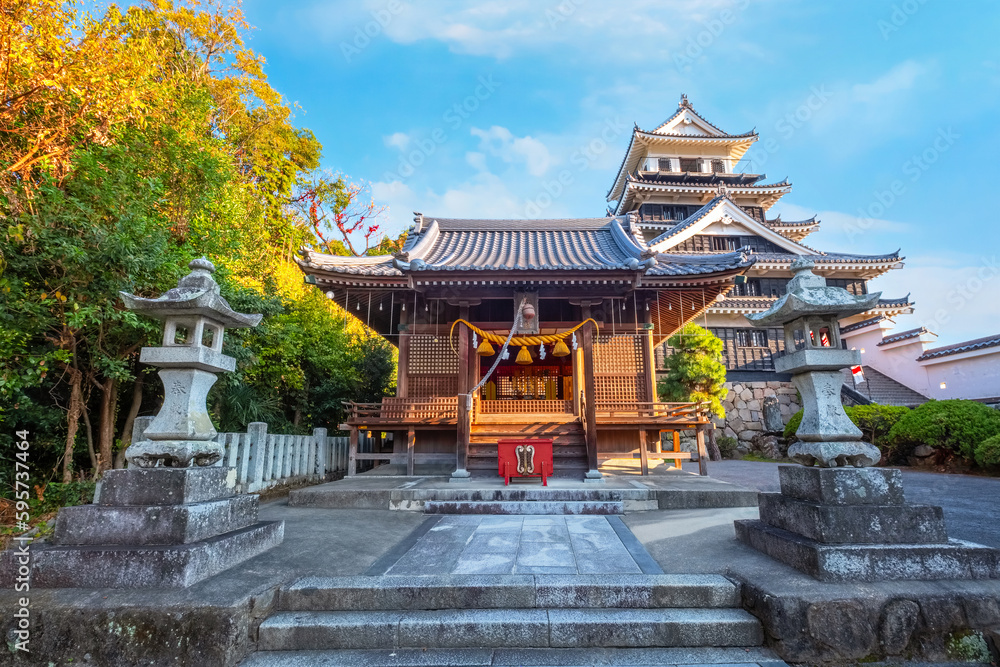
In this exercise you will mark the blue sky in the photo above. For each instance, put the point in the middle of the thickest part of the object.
(882, 114)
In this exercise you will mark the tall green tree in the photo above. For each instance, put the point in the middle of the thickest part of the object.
(695, 371)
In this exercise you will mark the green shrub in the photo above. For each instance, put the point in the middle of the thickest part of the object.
(793, 425)
(874, 420)
(988, 452)
(727, 446)
(954, 425)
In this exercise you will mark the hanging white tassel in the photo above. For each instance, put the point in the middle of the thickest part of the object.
(475, 341)
(574, 340)
(541, 351)
(506, 353)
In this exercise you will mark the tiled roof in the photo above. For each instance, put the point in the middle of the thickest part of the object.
(584, 244)
(696, 178)
(686, 265)
(829, 257)
(862, 324)
(710, 137)
(686, 105)
(967, 346)
(778, 222)
(904, 335)
(895, 303)
(882, 389)
(361, 266)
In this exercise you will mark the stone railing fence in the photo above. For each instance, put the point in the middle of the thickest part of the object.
(266, 460)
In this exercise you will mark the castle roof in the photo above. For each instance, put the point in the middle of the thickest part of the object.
(958, 348)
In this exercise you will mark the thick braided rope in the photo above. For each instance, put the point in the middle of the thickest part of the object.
(518, 340)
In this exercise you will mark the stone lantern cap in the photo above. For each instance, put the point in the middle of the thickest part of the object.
(808, 295)
(196, 294)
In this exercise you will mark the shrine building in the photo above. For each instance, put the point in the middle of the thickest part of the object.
(687, 238)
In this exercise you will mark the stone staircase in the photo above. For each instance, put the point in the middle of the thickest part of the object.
(569, 445)
(478, 619)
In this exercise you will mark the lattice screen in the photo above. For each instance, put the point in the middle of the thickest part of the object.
(619, 388)
(617, 355)
(430, 386)
(428, 357)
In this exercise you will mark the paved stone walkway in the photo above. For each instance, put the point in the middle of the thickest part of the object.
(465, 544)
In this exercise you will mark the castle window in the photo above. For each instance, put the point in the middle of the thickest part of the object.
(664, 164)
(690, 164)
(751, 337)
(718, 167)
(725, 243)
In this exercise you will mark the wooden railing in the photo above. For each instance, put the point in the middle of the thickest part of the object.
(394, 410)
(504, 407)
(680, 413)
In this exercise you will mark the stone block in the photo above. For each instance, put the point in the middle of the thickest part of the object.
(628, 591)
(581, 628)
(834, 454)
(153, 524)
(323, 630)
(361, 593)
(479, 628)
(899, 620)
(871, 562)
(842, 486)
(861, 524)
(166, 486)
(148, 566)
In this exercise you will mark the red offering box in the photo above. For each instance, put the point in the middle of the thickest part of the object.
(525, 458)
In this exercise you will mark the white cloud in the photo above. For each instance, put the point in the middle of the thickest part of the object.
(500, 142)
(899, 79)
(951, 292)
(505, 28)
(843, 232)
(398, 140)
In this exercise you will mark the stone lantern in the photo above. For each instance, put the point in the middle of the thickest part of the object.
(844, 520)
(810, 313)
(195, 317)
(163, 522)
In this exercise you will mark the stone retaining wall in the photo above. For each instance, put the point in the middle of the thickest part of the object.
(745, 404)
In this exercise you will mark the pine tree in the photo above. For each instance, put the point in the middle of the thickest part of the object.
(695, 371)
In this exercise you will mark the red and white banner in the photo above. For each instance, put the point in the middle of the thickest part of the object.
(858, 374)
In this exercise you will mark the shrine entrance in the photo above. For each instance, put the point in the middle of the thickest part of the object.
(546, 386)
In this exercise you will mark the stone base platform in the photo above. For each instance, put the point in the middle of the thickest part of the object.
(173, 566)
(954, 559)
(149, 528)
(676, 490)
(852, 524)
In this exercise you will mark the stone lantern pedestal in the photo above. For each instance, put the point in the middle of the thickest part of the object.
(837, 517)
(172, 518)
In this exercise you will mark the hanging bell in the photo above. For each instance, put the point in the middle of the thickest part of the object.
(485, 349)
(523, 357)
(560, 350)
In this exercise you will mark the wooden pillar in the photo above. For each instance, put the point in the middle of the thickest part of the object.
(649, 361)
(464, 426)
(352, 462)
(643, 454)
(402, 369)
(677, 441)
(702, 450)
(411, 437)
(590, 391)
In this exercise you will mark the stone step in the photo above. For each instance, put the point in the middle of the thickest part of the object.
(748, 656)
(523, 507)
(519, 591)
(500, 628)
